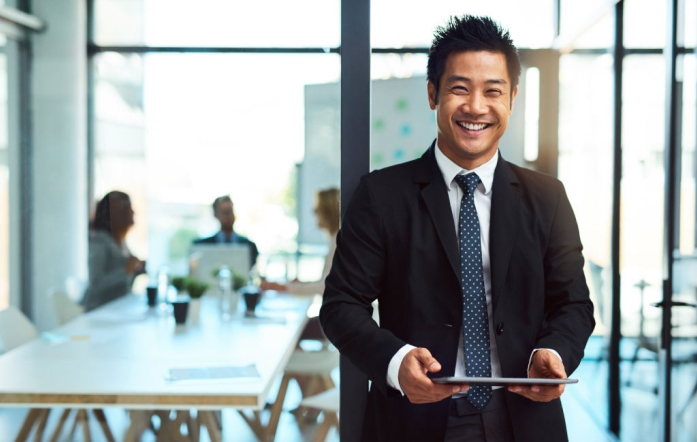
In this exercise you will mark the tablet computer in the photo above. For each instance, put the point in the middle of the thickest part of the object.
(502, 381)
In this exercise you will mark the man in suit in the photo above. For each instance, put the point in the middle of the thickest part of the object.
(224, 213)
(476, 264)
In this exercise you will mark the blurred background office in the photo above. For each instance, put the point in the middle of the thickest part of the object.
(176, 103)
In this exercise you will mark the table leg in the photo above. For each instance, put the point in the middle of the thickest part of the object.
(83, 418)
(73, 427)
(181, 417)
(208, 421)
(140, 421)
(193, 427)
(27, 425)
(59, 427)
(329, 420)
(39, 434)
(254, 424)
(164, 433)
(328, 382)
(276, 409)
(101, 418)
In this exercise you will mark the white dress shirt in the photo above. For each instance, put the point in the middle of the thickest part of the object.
(482, 202)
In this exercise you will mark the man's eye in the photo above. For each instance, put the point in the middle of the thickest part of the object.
(459, 89)
(494, 92)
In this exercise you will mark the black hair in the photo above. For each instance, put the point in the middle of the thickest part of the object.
(102, 215)
(219, 200)
(470, 33)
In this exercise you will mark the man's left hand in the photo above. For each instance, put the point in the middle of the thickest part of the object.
(545, 364)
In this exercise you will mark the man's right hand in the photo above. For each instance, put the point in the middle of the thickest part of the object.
(418, 387)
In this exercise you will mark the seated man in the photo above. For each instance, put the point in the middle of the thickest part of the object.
(222, 210)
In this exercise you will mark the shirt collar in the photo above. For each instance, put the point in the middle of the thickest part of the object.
(450, 170)
(221, 237)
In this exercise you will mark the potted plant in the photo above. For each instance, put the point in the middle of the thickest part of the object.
(196, 289)
(238, 281)
(179, 283)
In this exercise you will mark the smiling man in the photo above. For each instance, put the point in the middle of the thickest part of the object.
(476, 264)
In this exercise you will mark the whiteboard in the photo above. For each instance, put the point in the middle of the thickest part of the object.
(403, 126)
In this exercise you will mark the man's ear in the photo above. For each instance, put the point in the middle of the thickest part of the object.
(513, 95)
(432, 99)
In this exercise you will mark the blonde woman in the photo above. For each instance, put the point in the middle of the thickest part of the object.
(327, 209)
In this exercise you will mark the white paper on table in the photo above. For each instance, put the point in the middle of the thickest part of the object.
(202, 373)
(111, 318)
(94, 336)
(264, 320)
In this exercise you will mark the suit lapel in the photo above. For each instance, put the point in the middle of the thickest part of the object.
(435, 197)
(505, 214)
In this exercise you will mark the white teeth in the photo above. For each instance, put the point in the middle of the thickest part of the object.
(470, 126)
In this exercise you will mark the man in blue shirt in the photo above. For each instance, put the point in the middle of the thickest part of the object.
(224, 213)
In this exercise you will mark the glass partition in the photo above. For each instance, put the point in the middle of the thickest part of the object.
(175, 131)
(585, 168)
(643, 135)
(684, 313)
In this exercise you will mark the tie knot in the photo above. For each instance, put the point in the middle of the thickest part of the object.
(468, 182)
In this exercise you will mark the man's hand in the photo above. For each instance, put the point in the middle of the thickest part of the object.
(545, 364)
(418, 388)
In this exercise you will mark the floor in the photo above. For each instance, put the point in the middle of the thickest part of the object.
(585, 406)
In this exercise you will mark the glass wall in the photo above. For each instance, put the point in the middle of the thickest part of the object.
(643, 135)
(585, 168)
(177, 130)
(684, 348)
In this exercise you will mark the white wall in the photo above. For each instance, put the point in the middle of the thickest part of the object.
(59, 169)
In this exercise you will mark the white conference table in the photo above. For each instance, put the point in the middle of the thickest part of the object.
(120, 355)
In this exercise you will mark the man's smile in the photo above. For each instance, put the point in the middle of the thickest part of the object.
(473, 128)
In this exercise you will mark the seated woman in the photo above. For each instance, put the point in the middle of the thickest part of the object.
(112, 267)
(327, 209)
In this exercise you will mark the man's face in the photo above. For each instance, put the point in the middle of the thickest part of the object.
(473, 106)
(224, 214)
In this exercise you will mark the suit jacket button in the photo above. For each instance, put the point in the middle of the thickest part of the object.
(499, 328)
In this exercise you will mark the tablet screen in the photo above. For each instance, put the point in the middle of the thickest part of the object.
(503, 381)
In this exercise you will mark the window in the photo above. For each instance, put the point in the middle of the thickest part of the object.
(175, 131)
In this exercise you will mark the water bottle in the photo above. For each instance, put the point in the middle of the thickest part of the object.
(162, 286)
(162, 282)
(225, 285)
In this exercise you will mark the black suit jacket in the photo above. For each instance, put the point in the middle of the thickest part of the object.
(398, 244)
(238, 239)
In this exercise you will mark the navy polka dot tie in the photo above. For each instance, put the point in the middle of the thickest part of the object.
(475, 320)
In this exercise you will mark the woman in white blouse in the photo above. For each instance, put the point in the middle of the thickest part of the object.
(327, 212)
